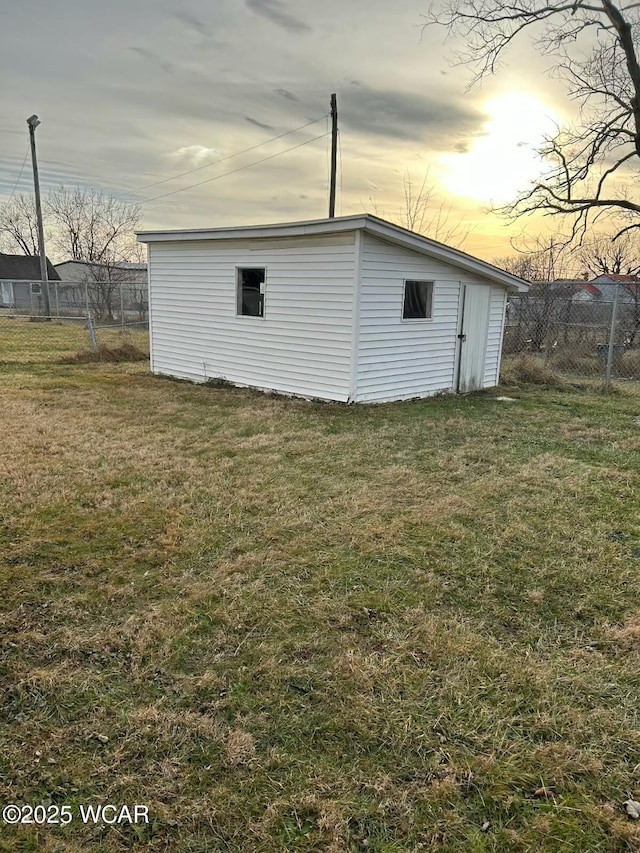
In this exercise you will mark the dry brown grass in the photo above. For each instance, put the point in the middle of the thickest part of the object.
(627, 635)
(289, 626)
(528, 369)
(240, 748)
(124, 352)
(630, 363)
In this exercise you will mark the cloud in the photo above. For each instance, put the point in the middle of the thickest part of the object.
(53, 173)
(273, 11)
(407, 115)
(195, 153)
(173, 101)
(188, 79)
(258, 123)
(192, 22)
(167, 67)
(285, 93)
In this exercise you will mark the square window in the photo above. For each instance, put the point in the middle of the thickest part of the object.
(250, 296)
(418, 296)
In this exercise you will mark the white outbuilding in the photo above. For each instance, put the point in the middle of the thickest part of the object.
(353, 309)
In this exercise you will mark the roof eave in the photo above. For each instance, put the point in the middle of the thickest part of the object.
(288, 229)
(446, 254)
(372, 224)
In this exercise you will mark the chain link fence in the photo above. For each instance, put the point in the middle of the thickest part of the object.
(575, 335)
(567, 333)
(66, 320)
(107, 302)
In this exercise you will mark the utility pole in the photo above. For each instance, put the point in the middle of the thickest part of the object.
(334, 155)
(33, 121)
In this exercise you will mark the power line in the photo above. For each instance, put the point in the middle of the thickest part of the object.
(229, 156)
(233, 171)
(26, 154)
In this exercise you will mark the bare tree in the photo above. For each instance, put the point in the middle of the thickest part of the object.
(19, 226)
(594, 166)
(425, 214)
(545, 263)
(98, 229)
(538, 259)
(92, 226)
(602, 255)
(522, 265)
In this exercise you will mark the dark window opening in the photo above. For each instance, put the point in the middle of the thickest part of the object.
(251, 291)
(418, 296)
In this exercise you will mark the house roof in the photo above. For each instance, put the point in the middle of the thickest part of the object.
(24, 268)
(590, 288)
(618, 279)
(361, 222)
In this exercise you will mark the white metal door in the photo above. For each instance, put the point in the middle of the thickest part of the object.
(472, 336)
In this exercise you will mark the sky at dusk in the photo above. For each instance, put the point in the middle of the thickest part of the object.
(132, 93)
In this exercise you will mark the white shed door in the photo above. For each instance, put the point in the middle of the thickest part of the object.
(473, 337)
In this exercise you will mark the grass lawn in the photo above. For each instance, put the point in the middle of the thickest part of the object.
(291, 626)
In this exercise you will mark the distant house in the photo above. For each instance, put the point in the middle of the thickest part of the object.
(584, 291)
(108, 291)
(608, 283)
(20, 281)
(599, 289)
(71, 270)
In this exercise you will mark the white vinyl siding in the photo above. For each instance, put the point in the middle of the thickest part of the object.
(333, 325)
(303, 343)
(399, 359)
(497, 310)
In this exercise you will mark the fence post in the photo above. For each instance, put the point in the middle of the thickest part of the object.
(612, 338)
(57, 298)
(548, 341)
(86, 298)
(121, 305)
(92, 333)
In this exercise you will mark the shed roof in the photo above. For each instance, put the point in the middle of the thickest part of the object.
(24, 268)
(360, 222)
(123, 265)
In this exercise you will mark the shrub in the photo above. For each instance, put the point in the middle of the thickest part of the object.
(529, 369)
(630, 364)
(123, 352)
(578, 362)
